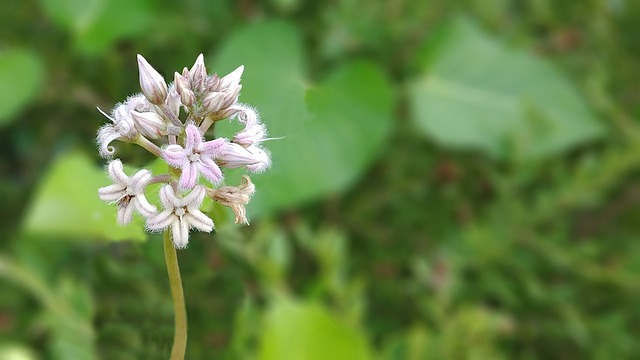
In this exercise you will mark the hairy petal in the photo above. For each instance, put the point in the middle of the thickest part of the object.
(168, 198)
(112, 192)
(193, 200)
(116, 173)
(144, 207)
(194, 138)
(125, 212)
(210, 170)
(199, 220)
(161, 221)
(213, 148)
(180, 232)
(175, 156)
(106, 135)
(189, 176)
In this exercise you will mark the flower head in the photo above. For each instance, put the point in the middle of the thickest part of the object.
(181, 214)
(127, 192)
(197, 157)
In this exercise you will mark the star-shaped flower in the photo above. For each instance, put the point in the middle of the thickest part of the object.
(127, 192)
(181, 213)
(197, 157)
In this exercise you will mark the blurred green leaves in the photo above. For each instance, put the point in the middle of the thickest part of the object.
(332, 131)
(477, 94)
(22, 75)
(67, 204)
(297, 330)
(97, 24)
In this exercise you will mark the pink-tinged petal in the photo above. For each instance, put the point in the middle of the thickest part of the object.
(180, 232)
(250, 135)
(144, 207)
(161, 221)
(235, 155)
(213, 148)
(210, 170)
(116, 173)
(199, 220)
(168, 198)
(193, 200)
(189, 176)
(247, 115)
(112, 192)
(175, 155)
(125, 212)
(194, 138)
(263, 159)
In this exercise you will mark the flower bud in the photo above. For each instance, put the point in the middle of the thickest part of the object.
(152, 83)
(232, 79)
(231, 96)
(213, 101)
(236, 197)
(198, 74)
(150, 124)
(187, 97)
(235, 155)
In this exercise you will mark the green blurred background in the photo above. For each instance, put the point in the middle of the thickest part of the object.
(457, 180)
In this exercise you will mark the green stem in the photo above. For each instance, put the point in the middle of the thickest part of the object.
(179, 310)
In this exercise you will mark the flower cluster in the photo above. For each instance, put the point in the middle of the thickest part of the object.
(153, 121)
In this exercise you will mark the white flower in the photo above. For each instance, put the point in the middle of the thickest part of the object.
(127, 192)
(181, 213)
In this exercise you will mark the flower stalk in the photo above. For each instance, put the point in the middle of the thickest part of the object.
(179, 309)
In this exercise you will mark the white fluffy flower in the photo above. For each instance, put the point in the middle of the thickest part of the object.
(181, 214)
(127, 192)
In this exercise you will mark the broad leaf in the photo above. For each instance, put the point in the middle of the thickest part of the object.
(96, 24)
(22, 76)
(332, 131)
(477, 94)
(67, 204)
(294, 330)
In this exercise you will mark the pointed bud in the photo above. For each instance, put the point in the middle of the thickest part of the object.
(213, 101)
(150, 124)
(152, 83)
(236, 197)
(235, 155)
(232, 79)
(198, 74)
(231, 97)
(187, 97)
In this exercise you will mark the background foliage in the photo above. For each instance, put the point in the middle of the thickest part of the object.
(457, 180)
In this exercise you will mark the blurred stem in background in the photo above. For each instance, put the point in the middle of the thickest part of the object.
(179, 310)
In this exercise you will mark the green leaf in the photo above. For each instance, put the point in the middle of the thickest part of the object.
(332, 131)
(295, 330)
(67, 204)
(22, 75)
(479, 95)
(96, 24)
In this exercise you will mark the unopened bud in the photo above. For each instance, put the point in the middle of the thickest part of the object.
(150, 124)
(232, 79)
(231, 96)
(187, 97)
(236, 197)
(213, 101)
(152, 83)
(198, 73)
(235, 155)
